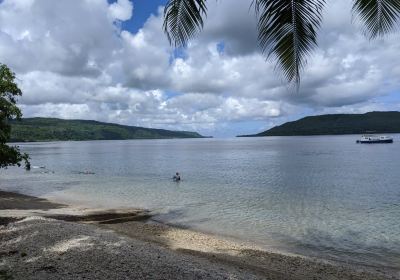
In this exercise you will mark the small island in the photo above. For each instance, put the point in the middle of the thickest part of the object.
(337, 124)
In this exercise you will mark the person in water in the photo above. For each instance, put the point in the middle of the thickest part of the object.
(177, 177)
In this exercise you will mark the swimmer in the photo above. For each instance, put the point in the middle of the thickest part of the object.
(177, 177)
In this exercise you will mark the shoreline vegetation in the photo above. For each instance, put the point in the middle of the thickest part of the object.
(44, 239)
(53, 129)
(337, 124)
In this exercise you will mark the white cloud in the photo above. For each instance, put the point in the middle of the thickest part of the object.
(73, 61)
(121, 10)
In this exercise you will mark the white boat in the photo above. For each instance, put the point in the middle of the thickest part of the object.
(374, 139)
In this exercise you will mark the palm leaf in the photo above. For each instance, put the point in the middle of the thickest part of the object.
(287, 30)
(183, 19)
(379, 16)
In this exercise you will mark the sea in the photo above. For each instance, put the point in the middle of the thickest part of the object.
(318, 196)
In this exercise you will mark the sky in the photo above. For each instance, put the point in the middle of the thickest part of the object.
(111, 61)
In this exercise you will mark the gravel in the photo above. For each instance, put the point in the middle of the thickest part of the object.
(39, 248)
(42, 248)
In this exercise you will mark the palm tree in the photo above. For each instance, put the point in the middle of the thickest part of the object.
(287, 29)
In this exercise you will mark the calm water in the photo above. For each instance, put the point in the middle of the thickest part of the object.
(318, 196)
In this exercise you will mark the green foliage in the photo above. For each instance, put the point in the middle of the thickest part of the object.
(183, 19)
(287, 29)
(51, 129)
(336, 124)
(379, 16)
(9, 93)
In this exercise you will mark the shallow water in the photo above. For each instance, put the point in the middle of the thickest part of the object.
(322, 196)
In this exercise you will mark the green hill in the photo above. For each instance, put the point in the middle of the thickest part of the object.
(51, 129)
(377, 122)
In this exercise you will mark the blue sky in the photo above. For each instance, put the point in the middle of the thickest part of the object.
(111, 61)
(142, 9)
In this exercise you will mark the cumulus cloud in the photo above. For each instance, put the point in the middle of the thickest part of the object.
(121, 10)
(73, 60)
(68, 37)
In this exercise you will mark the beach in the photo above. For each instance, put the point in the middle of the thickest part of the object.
(41, 239)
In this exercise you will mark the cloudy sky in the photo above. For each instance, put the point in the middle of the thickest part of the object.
(110, 61)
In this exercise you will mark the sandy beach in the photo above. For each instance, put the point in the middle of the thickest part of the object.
(41, 239)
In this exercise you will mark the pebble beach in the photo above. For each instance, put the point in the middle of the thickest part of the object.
(41, 239)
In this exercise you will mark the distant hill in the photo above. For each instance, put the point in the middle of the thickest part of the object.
(51, 129)
(378, 122)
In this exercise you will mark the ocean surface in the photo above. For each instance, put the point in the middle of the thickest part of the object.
(320, 196)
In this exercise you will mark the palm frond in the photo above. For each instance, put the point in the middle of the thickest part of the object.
(287, 30)
(379, 16)
(183, 19)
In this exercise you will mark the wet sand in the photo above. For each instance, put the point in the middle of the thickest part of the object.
(16, 201)
(41, 239)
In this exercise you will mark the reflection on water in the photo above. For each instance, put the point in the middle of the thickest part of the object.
(320, 196)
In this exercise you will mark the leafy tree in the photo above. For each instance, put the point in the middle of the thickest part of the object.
(287, 29)
(9, 93)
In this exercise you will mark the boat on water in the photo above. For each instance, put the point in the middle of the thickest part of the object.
(374, 139)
